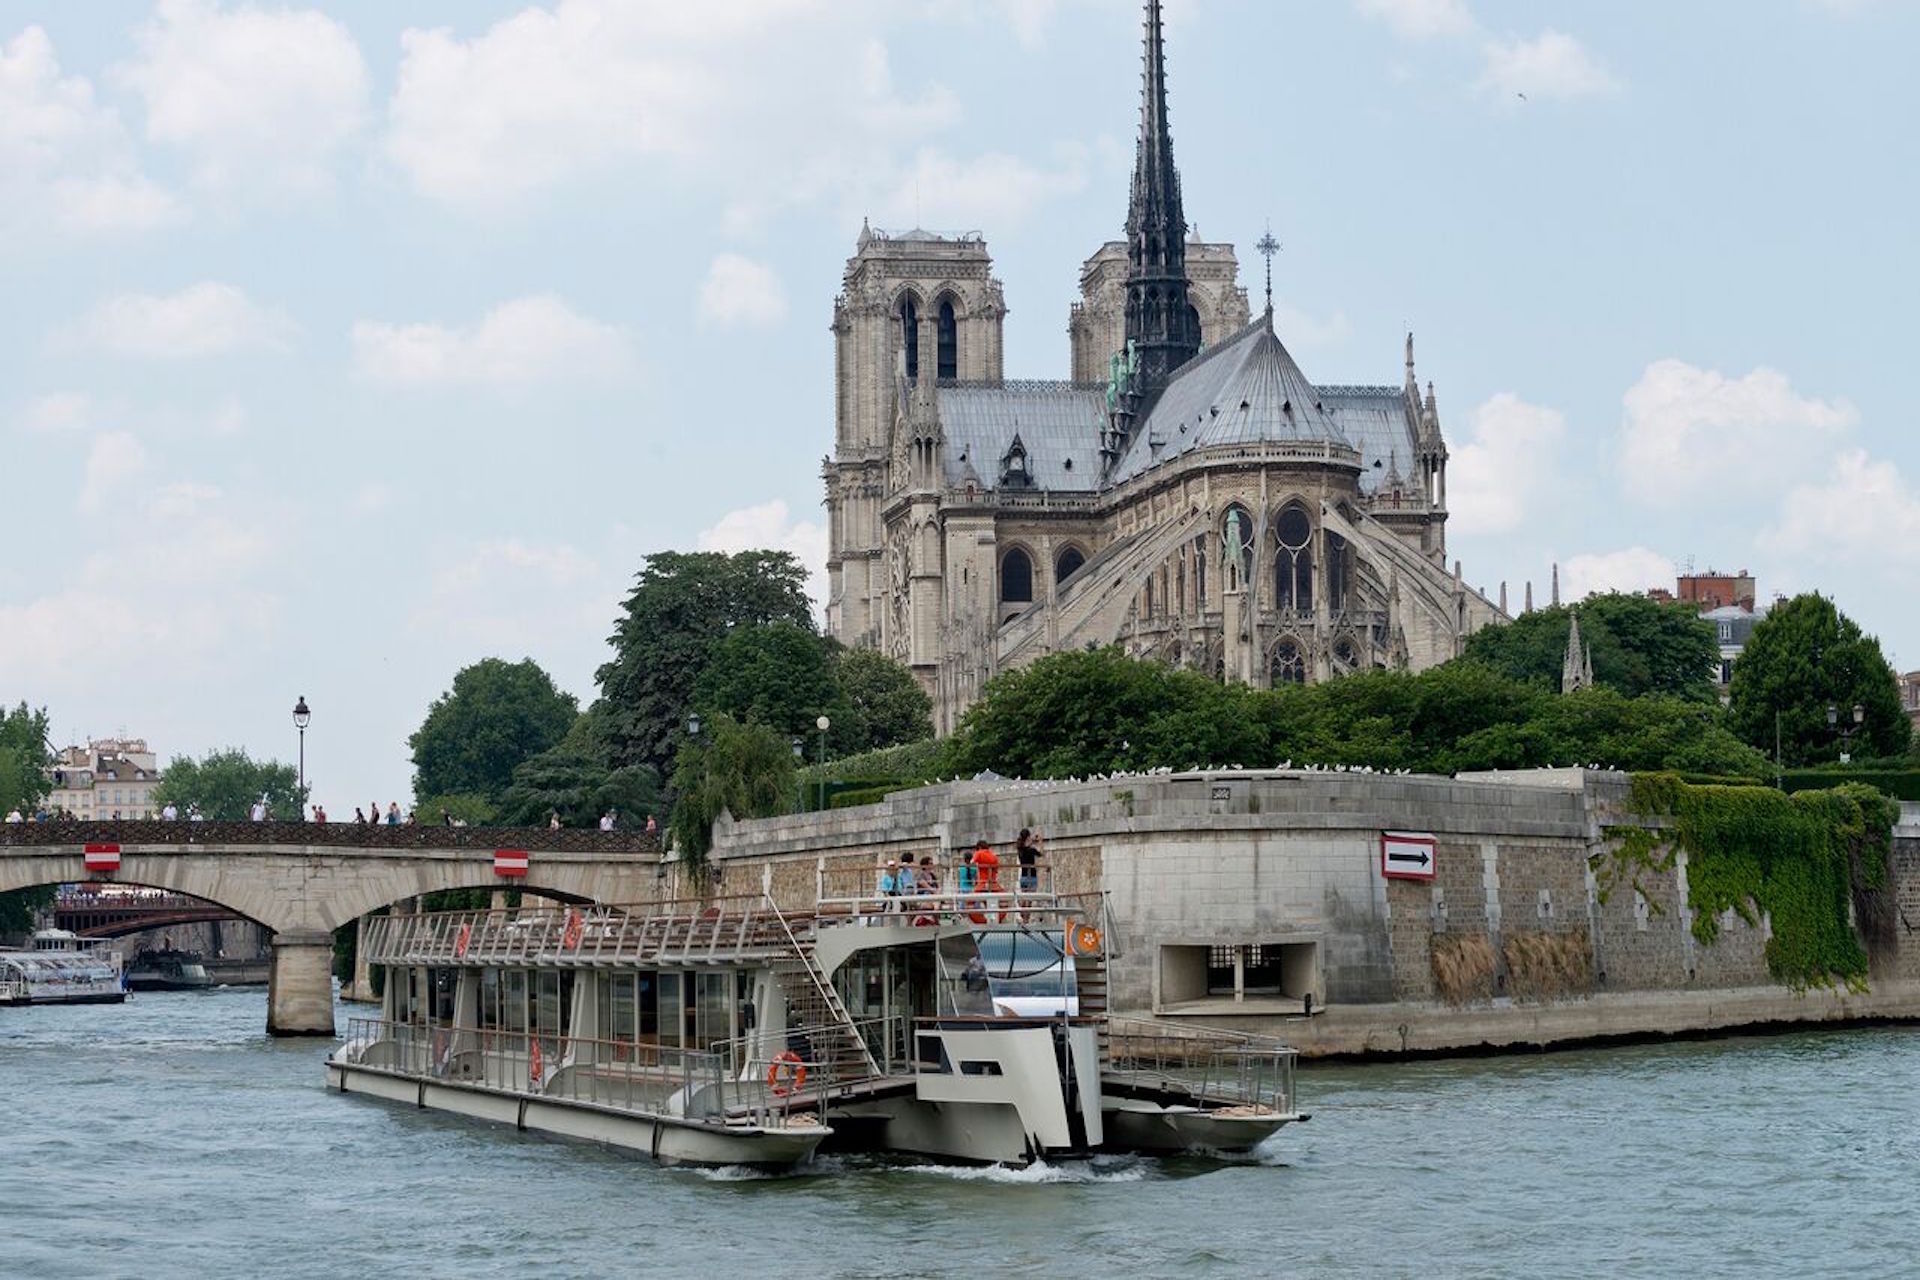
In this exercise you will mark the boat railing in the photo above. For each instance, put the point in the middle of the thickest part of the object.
(854, 894)
(694, 931)
(624, 1075)
(1214, 1065)
(808, 1063)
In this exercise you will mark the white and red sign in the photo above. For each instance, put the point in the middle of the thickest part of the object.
(510, 862)
(102, 857)
(1407, 855)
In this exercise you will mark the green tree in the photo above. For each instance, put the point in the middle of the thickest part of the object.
(223, 785)
(24, 758)
(887, 704)
(497, 715)
(744, 769)
(473, 810)
(779, 674)
(575, 781)
(18, 907)
(681, 607)
(1802, 658)
(1639, 646)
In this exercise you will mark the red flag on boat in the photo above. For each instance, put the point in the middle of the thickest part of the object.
(102, 857)
(510, 862)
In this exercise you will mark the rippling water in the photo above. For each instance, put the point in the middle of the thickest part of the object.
(170, 1137)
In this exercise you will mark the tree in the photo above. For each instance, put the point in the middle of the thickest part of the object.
(24, 758)
(464, 807)
(223, 785)
(779, 674)
(744, 769)
(1640, 645)
(1802, 658)
(680, 609)
(497, 715)
(17, 908)
(887, 704)
(575, 781)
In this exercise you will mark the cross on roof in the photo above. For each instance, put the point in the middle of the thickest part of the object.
(1268, 246)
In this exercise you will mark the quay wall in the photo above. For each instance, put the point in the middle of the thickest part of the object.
(1512, 943)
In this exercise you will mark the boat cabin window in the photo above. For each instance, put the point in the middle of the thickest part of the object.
(1006, 972)
(670, 1007)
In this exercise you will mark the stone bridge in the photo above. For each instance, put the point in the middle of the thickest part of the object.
(303, 881)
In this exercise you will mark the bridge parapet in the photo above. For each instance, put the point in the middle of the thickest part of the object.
(341, 835)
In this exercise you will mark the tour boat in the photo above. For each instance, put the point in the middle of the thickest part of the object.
(167, 969)
(60, 968)
(962, 1026)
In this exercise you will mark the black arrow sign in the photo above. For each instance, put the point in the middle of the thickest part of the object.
(1420, 857)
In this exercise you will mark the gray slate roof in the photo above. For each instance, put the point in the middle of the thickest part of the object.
(1056, 422)
(1244, 390)
(1374, 419)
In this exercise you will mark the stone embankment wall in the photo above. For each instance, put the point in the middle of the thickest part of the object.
(1202, 878)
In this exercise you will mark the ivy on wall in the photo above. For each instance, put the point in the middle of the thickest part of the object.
(1800, 859)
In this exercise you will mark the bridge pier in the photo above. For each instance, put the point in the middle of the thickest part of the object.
(300, 985)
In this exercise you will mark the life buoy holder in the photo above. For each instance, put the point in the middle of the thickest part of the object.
(1082, 939)
(570, 938)
(786, 1074)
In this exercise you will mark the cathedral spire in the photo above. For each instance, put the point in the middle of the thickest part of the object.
(1161, 322)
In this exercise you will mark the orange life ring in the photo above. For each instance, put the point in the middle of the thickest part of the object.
(786, 1074)
(1082, 939)
(571, 938)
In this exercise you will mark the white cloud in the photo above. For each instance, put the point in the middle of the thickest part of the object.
(1632, 569)
(257, 98)
(1507, 460)
(966, 193)
(741, 293)
(1551, 65)
(66, 163)
(506, 595)
(526, 340)
(1299, 329)
(1419, 19)
(1861, 508)
(58, 412)
(1694, 433)
(113, 459)
(204, 319)
(769, 527)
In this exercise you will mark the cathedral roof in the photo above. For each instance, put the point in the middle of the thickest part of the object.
(1374, 420)
(1244, 390)
(1059, 425)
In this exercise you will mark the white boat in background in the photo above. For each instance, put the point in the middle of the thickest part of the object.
(61, 968)
(726, 1031)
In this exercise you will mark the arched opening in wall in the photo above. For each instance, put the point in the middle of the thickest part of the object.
(1339, 568)
(910, 334)
(1200, 571)
(947, 351)
(1236, 546)
(1016, 577)
(1066, 564)
(1174, 653)
(1293, 559)
(1289, 664)
(1346, 655)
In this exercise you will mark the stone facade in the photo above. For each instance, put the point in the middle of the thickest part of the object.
(1188, 493)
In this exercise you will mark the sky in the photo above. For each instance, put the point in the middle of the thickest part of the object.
(343, 346)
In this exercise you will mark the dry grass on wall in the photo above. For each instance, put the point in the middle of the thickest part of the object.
(1548, 966)
(1462, 967)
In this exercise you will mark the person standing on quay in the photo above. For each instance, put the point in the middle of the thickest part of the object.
(606, 820)
(393, 813)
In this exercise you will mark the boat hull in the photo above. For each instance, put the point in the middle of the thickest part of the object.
(664, 1138)
(1149, 1129)
(95, 997)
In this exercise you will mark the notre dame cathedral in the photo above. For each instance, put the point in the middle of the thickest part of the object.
(1189, 494)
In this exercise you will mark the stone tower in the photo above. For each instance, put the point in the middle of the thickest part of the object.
(1576, 667)
(912, 304)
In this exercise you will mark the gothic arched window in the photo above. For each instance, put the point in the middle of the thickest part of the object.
(1200, 571)
(1338, 564)
(1289, 664)
(948, 365)
(1016, 577)
(910, 334)
(1236, 543)
(1293, 560)
(1067, 563)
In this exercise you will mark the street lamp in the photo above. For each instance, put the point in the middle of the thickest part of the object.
(301, 718)
(823, 724)
(693, 725)
(1846, 731)
(799, 784)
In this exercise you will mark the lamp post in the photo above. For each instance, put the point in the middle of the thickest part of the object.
(693, 725)
(799, 784)
(823, 724)
(1846, 731)
(301, 718)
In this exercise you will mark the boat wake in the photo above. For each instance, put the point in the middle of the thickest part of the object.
(1043, 1173)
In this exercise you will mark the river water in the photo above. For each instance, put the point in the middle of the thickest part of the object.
(171, 1137)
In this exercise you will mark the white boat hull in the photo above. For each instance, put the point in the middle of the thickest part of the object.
(664, 1138)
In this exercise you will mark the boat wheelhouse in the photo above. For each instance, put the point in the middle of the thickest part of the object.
(955, 1025)
(167, 969)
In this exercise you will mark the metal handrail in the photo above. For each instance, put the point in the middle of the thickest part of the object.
(1214, 1066)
